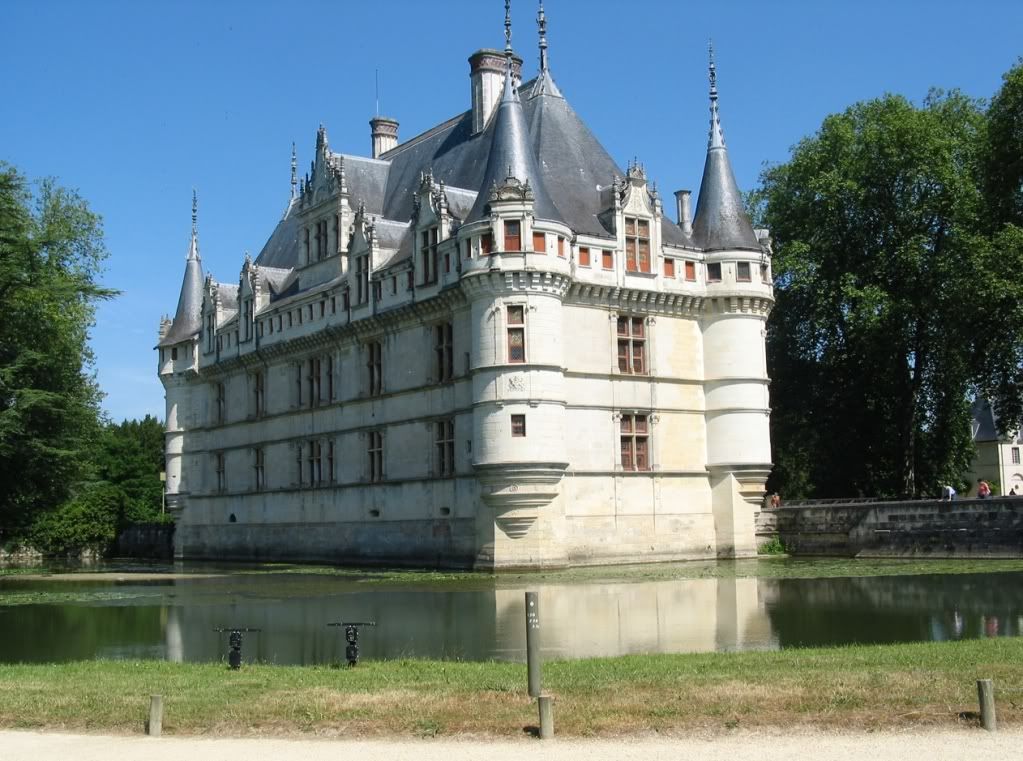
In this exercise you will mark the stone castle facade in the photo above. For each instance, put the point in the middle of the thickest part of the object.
(487, 346)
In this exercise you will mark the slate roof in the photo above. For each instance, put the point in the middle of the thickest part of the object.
(188, 316)
(511, 155)
(572, 164)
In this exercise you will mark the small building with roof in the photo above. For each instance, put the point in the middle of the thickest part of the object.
(487, 346)
(996, 457)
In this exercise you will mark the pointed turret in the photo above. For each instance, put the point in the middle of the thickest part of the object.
(510, 153)
(721, 221)
(187, 316)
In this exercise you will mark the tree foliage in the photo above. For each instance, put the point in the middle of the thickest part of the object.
(892, 298)
(51, 249)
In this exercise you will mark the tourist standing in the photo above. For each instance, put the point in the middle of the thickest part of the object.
(983, 489)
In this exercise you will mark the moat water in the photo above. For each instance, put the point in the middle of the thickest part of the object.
(761, 605)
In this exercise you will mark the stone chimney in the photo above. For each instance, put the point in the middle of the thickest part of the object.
(685, 214)
(385, 134)
(486, 72)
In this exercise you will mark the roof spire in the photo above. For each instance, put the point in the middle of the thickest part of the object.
(717, 138)
(294, 171)
(721, 221)
(195, 212)
(507, 31)
(186, 316)
(541, 23)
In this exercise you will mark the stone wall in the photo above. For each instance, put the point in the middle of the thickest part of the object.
(922, 528)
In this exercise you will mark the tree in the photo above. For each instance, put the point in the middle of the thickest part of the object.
(1003, 160)
(51, 249)
(1003, 186)
(887, 298)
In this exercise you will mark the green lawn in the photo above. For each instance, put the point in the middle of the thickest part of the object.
(891, 686)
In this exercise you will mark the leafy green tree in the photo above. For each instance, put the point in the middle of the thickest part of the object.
(1003, 186)
(130, 455)
(51, 250)
(887, 298)
(1003, 164)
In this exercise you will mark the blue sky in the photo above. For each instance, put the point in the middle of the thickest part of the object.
(134, 103)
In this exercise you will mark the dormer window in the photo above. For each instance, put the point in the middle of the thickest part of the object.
(637, 244)
(512, 235)
(361, 279)
(428, 254)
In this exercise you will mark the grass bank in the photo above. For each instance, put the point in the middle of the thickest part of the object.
(878, 687)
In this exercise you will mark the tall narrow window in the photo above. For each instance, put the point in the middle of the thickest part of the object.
(218, 464)
(298, 464)
(518, 425)
(314, 463)
(375, 452)
(219, 404)
(516, 333)
(361, 279)
(329, 362)
(443, 351)
(742, 272)
(258, 470)
(669, 267)
(445, 445)
(313, 381)
(330, 461)
(584, 256)
(765, 273)
(634, 435)
(691, 271)
(631, 345)
(258, 393)
(374, 365)
(561, 247)
(486, 243)
(714, 272)
(1015, 456)
(298, 384)
(637, 245)
(512, 235)
(607, 260)
(428, 255)
(539, 242)
(306, 246)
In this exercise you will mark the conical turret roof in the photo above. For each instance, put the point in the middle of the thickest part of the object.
(511, 156)
(721, 221)
(187, 317)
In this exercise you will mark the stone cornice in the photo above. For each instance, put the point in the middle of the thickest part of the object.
(494, 282)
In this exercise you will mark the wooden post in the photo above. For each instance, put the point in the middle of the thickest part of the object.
(986, 694)
(155, 724)
(533, 644)
(546, 717)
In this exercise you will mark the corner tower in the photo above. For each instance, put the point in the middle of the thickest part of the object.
(178, 358)
(739, 298)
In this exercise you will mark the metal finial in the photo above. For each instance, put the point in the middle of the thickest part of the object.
(716, 138)
(195, 210)
(294, 171)
(541, 23)
(713, 71)
(507, 28)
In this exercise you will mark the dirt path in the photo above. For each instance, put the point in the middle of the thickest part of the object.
(962, 745)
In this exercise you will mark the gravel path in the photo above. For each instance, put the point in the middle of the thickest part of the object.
(960, 745)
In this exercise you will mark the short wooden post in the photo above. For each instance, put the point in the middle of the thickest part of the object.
(155, 724)
(986, 694)
(546, 717)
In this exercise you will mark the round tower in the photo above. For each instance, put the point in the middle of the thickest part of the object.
(739, 298)
(518, 380)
